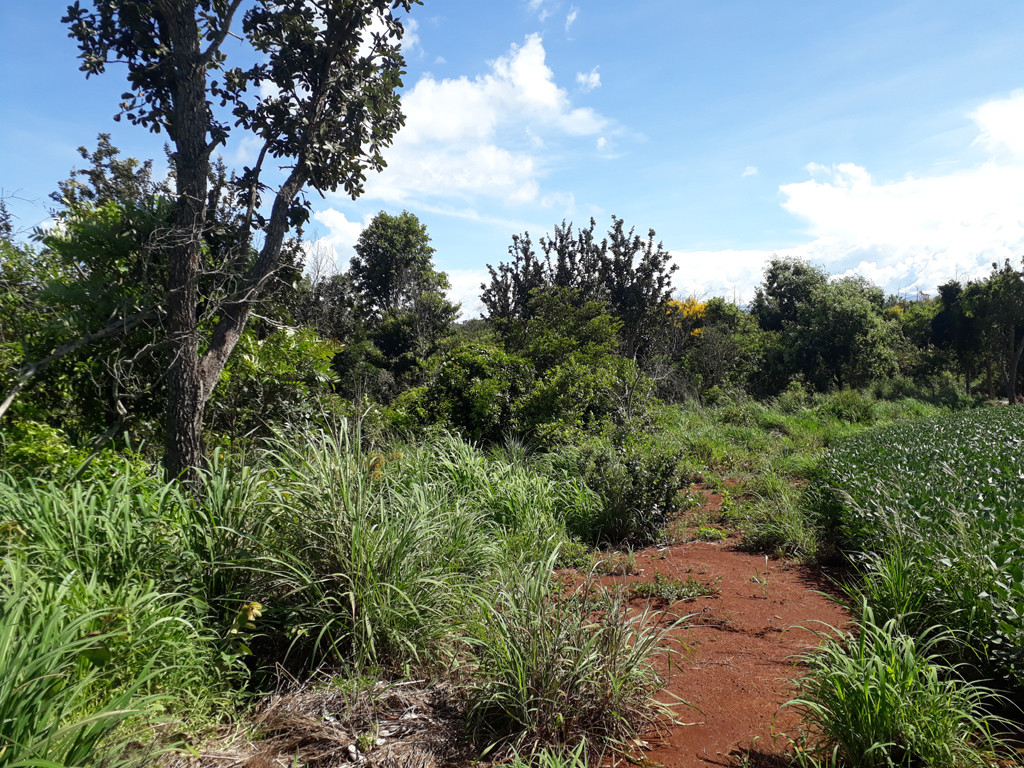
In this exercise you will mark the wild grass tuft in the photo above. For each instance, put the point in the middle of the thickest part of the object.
(882, 698)
(552, 674)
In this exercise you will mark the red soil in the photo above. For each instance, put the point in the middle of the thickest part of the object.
(742, 647)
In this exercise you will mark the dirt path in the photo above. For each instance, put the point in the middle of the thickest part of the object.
(742, 644)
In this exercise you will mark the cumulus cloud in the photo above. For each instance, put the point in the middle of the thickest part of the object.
(907, 234)
(330, 254)
(750, 170)
(588, 81)
(480, 137)
(465, 289)
(1001, 124)
(729, 274)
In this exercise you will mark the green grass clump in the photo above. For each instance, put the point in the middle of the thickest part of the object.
(57, 705)
(883, 699)
(553, 675)
(671, 589)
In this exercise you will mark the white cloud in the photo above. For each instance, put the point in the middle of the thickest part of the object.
(750, 170)
(730, 274)
(571, 19)
(330, 253)
(465, 289)
(588, 81)
(1002, 124)
(469, 137)
(540, 8)
(907, 234)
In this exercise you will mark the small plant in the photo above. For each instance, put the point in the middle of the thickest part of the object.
(672, 589)
(553, 758)
(690, 499)
(762, 579)
(709, 533)
(617, 564)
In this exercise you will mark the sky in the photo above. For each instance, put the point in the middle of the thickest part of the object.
(879, 138)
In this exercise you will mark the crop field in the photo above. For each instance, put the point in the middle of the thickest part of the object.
(934, 512)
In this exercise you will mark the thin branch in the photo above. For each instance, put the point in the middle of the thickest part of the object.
(222, 33)
(28, 372)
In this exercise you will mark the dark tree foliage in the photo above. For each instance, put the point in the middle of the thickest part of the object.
(322, 101)
(956, 331)
(631, 274)
(788, 283)
(999, 302)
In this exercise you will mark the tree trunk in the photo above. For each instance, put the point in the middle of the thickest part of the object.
(188, 127)
(1015, 355)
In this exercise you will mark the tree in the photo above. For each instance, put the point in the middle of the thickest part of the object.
(997, 303)
(632, 274)
(955, 331)
(839, 337)
(322, 102)
(788, 283)
(393, 264)
(400, 297)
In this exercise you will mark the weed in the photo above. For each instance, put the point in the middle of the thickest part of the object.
(617, 564)
(762, 579)
(554, 675)
(672, 589)
(708, 533)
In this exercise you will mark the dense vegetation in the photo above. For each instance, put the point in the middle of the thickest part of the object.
(934, 510)
(224, 468)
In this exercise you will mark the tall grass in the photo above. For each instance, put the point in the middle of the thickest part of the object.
(55, 707)
(319, 551)
(554, 674)
(883, 698)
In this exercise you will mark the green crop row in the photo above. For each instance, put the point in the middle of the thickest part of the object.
(933, 510)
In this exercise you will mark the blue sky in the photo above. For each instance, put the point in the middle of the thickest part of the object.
(885, 138)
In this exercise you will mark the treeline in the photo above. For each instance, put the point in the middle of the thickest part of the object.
(580, 332)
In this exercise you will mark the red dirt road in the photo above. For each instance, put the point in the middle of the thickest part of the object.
(742, 647)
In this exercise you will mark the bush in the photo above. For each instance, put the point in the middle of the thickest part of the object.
(636, 479)
(850, 405)
(472, 388)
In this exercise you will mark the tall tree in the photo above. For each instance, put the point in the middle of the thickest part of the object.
(632, 274)
(998, 303)
(400, 295)
(788, 284)
(322, 103)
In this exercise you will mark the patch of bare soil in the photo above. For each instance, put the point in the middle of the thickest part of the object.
(742, 645)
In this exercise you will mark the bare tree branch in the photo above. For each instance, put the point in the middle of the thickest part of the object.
(28, 372)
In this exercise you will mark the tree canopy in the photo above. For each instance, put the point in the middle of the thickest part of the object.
(322, 102)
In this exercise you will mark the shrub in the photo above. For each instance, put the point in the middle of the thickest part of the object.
(636, 480)
(850, 405)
